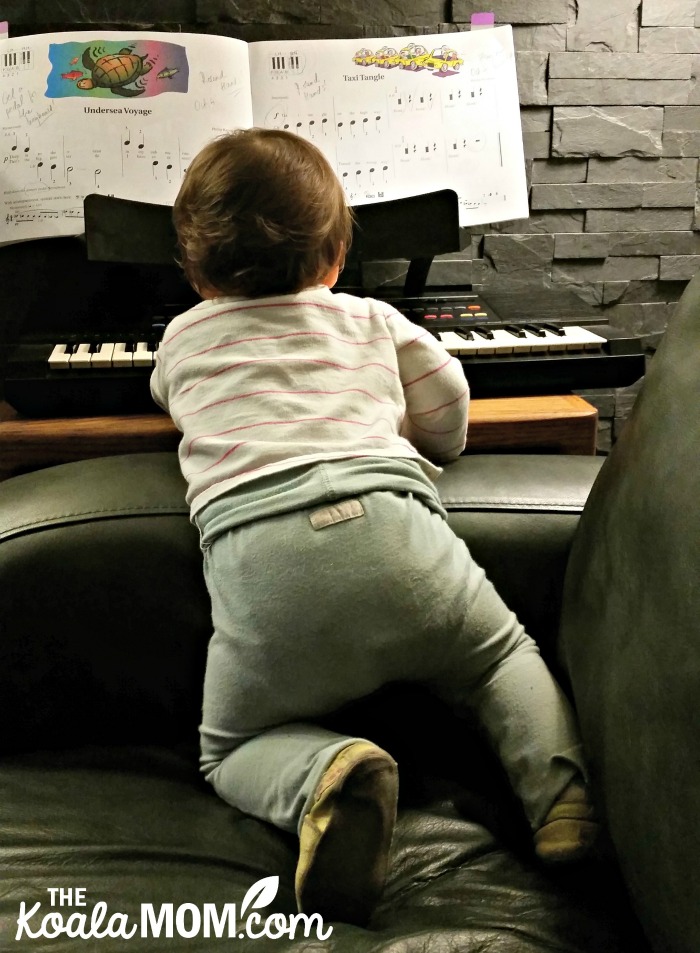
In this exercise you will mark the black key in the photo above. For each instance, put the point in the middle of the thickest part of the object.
(555, 329)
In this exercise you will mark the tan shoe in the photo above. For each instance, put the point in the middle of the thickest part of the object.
(346, 836)
(570, 829)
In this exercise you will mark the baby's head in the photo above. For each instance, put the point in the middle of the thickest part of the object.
(260, 212)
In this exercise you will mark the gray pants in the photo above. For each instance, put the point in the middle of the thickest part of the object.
(316, 608)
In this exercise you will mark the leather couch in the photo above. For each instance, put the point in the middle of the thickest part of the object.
(104, 620)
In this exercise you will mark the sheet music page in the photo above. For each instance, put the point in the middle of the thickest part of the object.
(403, 115)
(115, 113)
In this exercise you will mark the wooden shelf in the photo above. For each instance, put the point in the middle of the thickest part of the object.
(553, 424)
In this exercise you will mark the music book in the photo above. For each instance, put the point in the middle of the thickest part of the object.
(122, 114)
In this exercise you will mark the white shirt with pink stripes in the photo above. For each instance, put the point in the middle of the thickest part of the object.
(257, 386)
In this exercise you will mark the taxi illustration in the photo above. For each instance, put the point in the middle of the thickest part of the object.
(386, 58)
(364, 57)
(410, 56)
(443, 60)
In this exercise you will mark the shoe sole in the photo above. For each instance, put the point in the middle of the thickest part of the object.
(346, 838)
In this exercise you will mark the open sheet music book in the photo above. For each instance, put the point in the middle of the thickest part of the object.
(122, 114)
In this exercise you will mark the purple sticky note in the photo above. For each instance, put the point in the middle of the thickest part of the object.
(481, 21)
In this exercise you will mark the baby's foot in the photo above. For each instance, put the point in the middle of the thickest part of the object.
(345, 837)
(570, 830)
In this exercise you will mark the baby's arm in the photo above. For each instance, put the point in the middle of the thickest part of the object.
(435, 390)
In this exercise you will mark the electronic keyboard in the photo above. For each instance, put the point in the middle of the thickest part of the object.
(109, 373)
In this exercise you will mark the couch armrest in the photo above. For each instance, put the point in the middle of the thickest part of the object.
(518, 513)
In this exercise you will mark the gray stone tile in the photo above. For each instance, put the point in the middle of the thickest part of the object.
(514, 11)
(633, 169)
(586, 195)
(668, 12)
(618, 66)
(669, 40)
(532, 86)
(618, 92)
(678, 267)
(559, 170)
(605, 26)
(612, 131)
(641, 219)
(669, 195)
(540, 38)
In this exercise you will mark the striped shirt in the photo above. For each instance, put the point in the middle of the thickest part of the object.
(257, 386)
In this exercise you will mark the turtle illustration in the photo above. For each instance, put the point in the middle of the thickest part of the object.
(114, 71)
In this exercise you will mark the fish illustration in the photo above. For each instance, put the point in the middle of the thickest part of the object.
(167, 73)
(74, 61)
(74, 74)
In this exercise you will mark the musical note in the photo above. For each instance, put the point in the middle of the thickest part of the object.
(97, 172)
(127, 141)
(141, 144)
(69, 169)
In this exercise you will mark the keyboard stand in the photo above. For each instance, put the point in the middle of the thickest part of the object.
(551, 424)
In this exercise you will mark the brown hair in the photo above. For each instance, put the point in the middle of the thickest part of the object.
(260, 212)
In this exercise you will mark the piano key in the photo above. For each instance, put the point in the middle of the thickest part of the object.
(59, 358)
(537, 342)
(583, 339)
(82, 357)
(553, 341)
(122, 354)
(458, 344)
(102, 357)
(143, 356)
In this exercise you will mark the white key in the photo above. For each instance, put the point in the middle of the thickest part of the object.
(143, 357)
(554, 342)
(456, 344)
(59, 358)
(103, 356)
(579, 339)
(81, 357)
(452, 342)
(520, 345)
(537, 344)
(485, 346)
(121, 357)
(504, 343)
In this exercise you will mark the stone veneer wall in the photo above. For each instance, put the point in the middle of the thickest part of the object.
(610, 106)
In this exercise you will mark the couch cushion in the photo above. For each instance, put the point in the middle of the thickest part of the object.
(136, 825)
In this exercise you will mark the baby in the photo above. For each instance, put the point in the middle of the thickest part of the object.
(314, 425)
